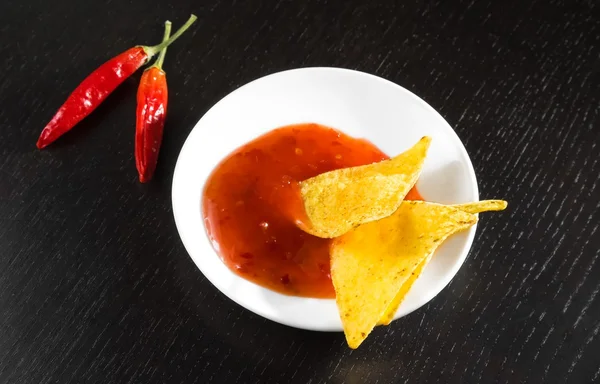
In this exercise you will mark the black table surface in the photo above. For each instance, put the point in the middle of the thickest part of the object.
(96, 286)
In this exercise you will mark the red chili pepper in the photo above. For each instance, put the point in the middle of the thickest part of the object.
(151, 112)
(98, 85)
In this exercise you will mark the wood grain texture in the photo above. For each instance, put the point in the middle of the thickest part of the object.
(96, 287)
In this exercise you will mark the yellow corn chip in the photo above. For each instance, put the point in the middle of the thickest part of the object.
(391, 311)
(370, 264)
(474, 207)
(337, 201)
(482, 206)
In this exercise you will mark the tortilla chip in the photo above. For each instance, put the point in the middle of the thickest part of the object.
(474, 207)
(387, 318)
(337, 201)
(370, 264)
(482, 206)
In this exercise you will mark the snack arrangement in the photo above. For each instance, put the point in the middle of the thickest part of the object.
(306, 210)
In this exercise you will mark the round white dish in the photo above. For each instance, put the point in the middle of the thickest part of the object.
(356, 103)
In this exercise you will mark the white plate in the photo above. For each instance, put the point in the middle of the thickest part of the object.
(356, 103)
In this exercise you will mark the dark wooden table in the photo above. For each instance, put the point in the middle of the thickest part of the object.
(96, 286)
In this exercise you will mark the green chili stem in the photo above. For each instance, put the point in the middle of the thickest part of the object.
(151, 51)
(161, 56)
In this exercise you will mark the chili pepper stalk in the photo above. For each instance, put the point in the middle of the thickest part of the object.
(152, 98)
(99, 84)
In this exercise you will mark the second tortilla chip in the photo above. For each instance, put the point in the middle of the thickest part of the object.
(371, 264)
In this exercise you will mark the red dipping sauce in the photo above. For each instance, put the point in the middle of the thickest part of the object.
(251, 205)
